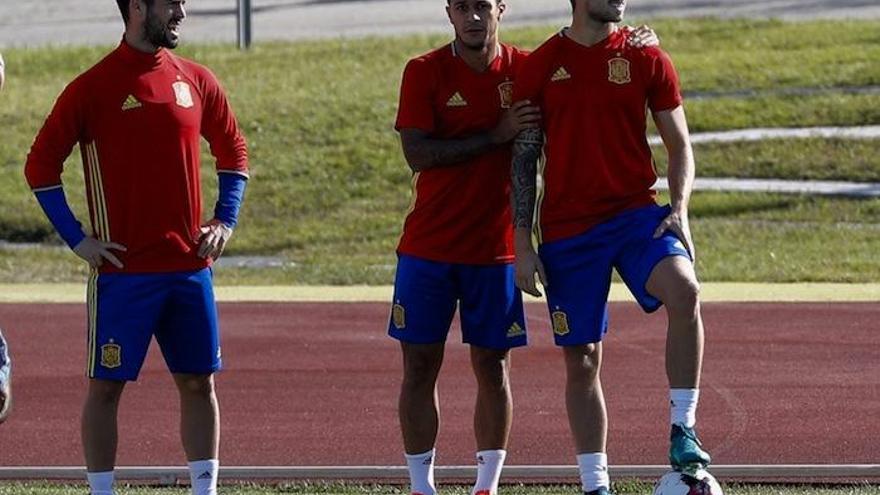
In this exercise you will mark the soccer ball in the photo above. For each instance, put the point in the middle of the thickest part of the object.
(676, 483)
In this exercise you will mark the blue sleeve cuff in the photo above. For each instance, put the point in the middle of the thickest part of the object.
(54, 204)
(229, 198)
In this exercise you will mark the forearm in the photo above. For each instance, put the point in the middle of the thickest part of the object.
(230, 195)
(54, 205)
(681, 172)
(524, 178)
(425, 153)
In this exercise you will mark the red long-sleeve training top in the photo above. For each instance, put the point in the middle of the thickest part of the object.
(138, 118)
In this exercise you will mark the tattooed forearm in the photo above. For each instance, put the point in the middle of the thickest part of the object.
(523, 172)
(423, 152)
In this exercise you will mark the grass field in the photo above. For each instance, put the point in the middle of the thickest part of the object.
(330, 188)
(625, 488)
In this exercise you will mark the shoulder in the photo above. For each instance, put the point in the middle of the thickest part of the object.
(428, 62)
(194, 70)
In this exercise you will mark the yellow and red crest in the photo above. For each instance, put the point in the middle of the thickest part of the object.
(111, 355)
(398, 316)
(560, 323)
(505, 92)
(618, 71)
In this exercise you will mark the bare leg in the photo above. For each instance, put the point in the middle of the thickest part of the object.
(99, 427)
(494, 408)
(418, 404)
(199, 416)
(583, 397)
(674, 282)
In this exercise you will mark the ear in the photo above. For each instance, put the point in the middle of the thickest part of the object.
(501, 8)
(137, 9)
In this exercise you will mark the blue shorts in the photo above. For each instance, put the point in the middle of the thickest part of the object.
(426, 294)
(579, 271)
(127, 310)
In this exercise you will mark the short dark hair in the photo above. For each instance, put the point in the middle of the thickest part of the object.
(123, 8)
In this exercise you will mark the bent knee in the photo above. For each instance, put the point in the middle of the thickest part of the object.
(684, 297)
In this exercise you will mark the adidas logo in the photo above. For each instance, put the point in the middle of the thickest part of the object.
(131, 102)
(428, 461)
(456, 101)
(515, 330)
(560, 75)
(205, 476)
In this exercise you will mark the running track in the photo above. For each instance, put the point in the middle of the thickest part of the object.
(316, 384)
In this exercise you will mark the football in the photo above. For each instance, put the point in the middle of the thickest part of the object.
(676, 483)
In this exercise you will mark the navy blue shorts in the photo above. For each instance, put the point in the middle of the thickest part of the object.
(579, 271)
(127, 310)
(426, 294)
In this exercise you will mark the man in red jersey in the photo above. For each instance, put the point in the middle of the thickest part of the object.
(598, 211)
(138, 116)
(456, 121)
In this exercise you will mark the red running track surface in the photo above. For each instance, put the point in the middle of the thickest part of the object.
(316, 384)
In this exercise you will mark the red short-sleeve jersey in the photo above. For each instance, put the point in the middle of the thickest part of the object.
(459, 213)
(593, 102)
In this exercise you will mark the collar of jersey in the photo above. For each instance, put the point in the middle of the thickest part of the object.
(139, 58)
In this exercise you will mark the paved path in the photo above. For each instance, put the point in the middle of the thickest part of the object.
(36, 22)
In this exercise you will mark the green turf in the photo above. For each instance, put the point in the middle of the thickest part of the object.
(794, 159)
(625, 488)
(749, 237)
(329, 186)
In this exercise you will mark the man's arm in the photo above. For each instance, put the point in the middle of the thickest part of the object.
(5, 375)
(43, 169)
(423, 152)
(524, 174)
(221, 130)
(672, 125)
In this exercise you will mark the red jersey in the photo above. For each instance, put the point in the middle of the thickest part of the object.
(593, 102)
(460, 213)
(138, 118)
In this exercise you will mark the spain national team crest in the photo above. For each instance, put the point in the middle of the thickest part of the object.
(505, 92)
(560, 323)
(111, 355)
(398, 316)
(618, 71)
(182, 94)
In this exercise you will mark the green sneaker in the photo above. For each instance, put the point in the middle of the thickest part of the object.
(685, 450)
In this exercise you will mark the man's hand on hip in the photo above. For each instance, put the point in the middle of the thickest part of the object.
(677, 222)
(214, 236)
(94, 252)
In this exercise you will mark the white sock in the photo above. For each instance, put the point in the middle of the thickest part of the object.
(203, 476)
(594, 471)
(489, 464)
(683, 406)
(421, 472)
(100, 483)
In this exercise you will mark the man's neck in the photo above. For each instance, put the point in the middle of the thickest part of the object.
(589, 32)
(137, 41)
(477, 59)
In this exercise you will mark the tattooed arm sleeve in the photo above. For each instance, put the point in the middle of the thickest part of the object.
(524, 170)
(423, 152)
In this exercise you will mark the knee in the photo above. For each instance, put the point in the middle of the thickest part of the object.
(491, 367)
(420, 370)
(196, 385)
(582, 364)
(105, 392)
(684, 297)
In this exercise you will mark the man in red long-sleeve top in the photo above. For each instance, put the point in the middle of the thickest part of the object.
(138, 116)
